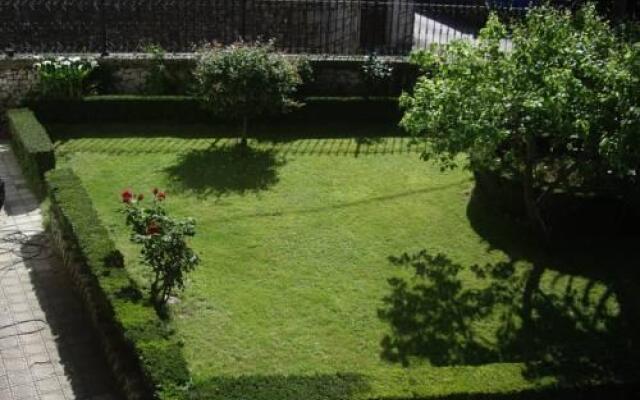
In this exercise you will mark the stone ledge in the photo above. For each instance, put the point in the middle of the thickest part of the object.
(22, 59)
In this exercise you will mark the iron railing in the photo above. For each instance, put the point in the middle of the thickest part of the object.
(333, 27)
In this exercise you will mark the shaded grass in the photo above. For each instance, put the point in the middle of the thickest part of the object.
(296, 292)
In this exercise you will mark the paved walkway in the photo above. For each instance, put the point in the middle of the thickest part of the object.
(47, 349)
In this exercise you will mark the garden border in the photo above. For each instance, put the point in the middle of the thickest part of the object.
(32, 146)
(143, 354)
(186, 109)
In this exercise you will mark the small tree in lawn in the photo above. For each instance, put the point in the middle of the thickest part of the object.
(245, 81)
(559, 111)
(164, 246)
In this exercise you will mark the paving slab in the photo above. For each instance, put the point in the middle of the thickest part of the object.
(48, 350)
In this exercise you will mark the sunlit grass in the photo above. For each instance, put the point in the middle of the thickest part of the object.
(295, 238)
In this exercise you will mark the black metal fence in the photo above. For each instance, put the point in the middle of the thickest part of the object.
(334, 27)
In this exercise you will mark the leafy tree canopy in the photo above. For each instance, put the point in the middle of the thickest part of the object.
(244, 81)
(557, 108)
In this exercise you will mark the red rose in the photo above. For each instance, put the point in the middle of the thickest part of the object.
(161, 196)
(127, 195)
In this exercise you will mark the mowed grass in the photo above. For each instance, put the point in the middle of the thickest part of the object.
(296, 296)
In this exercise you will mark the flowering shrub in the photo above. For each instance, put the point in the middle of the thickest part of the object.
(375, 72)
(63, 77)
(163, 240)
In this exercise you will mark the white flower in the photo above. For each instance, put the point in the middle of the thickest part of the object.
(80, 66)
(46, 62)
(94, 63)
(66, 63)
(60, 58)
(37, 65)
(74, 59)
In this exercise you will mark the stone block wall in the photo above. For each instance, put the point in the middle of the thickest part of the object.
(17, 78)
(128, 71)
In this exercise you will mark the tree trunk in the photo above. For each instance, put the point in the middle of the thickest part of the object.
(528, 183)
(245, 124)
(530, 288)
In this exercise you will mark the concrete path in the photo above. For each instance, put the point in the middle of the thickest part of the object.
(47, 348)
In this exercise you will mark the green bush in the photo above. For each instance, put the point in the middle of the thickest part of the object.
(245, 81)
(144, 354)
(63, 77)
(158, 80)
(164, 245)
(32, 146)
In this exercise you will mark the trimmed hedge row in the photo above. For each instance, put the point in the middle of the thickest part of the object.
(32, 146)
(187, 109)
(141, 349)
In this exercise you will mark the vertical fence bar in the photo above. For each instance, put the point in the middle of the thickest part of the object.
(333, 27)
(243, 19)
(103, 22)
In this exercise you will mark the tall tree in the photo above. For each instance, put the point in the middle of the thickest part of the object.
(558, 111)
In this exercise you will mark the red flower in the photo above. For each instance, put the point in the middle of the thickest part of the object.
(161, 196)
(140, 197)
(127, 195)
(153, 228)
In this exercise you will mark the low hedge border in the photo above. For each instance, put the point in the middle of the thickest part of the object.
(32, 147)
(143, 353)
(186, 109)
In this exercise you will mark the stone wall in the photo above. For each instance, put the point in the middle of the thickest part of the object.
(127, 73)
(17, 78)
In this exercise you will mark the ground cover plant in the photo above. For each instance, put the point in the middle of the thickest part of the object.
(336, 264)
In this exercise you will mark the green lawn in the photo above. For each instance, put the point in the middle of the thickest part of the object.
(297, 296)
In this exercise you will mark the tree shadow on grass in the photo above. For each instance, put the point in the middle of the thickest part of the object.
(432, 316)
(577, 324)
(273, 387)
(221, 170)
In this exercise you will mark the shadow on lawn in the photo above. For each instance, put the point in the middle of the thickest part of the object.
(221, 170)
(335, 138)
(577, 333)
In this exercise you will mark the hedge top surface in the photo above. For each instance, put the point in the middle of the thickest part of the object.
(28, 130)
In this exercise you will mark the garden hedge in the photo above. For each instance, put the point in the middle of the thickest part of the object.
(32, 146)
(184, 109)
(143, 353)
